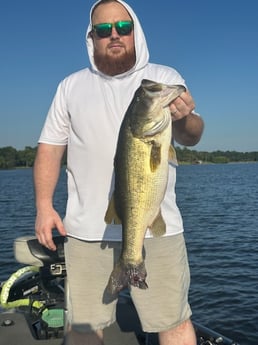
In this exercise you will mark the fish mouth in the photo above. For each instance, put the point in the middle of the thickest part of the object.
(156, 99)
(166, 94)
(170, 93)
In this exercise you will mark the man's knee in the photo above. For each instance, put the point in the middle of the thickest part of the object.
(182, 334)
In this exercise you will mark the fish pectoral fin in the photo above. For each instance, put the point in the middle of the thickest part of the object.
(155, 155)
(158, 227)
(172, 154)
(111, 214)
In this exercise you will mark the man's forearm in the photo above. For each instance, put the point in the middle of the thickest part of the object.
(188, 130)
(46, 173)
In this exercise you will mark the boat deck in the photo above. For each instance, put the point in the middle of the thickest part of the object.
(122, 332)
(126, 331)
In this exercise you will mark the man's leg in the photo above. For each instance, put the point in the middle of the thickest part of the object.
(183, 334)
(77, 338)
(89, 307)
(163, 307)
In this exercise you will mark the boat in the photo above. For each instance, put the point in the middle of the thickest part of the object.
(33, 304)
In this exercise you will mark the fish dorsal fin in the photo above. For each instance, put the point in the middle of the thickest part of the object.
(111, 214)
(155, 155)
(158, 227)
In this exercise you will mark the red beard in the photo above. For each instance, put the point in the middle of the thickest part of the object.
(115, 64)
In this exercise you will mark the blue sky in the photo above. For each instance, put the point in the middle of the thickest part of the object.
(212, 43)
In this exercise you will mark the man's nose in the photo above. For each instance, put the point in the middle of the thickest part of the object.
(114, 33)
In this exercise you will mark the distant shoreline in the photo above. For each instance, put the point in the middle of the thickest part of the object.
(179, 163)
(10, 158)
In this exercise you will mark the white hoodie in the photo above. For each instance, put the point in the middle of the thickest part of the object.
(85, 115)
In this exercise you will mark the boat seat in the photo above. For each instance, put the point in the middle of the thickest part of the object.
(29, 251)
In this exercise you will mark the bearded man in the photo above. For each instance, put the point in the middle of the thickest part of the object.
(85, 117)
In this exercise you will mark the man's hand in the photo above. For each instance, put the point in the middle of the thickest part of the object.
(182, 106)
(187, 126)
(45, 223)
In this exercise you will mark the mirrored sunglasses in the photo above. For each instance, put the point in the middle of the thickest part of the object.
(104, 30)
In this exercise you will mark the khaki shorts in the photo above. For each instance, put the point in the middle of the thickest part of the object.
(162, 306)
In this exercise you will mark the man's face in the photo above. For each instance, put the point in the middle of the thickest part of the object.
(114, 54)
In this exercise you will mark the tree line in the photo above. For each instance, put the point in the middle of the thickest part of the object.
(11, 158)
(185, 155)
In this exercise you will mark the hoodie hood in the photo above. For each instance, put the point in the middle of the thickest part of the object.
(141, 49)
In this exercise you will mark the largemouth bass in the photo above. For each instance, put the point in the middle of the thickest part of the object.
(141, 173)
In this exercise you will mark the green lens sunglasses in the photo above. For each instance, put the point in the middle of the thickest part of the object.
(104, 30)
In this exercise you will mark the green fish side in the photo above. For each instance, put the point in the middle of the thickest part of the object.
(141, 169)
(141, 174)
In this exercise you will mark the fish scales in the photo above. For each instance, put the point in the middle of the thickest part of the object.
(141, 174)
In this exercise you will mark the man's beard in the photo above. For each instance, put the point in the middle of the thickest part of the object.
(113, 65)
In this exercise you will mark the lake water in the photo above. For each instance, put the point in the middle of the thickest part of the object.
(219, 204)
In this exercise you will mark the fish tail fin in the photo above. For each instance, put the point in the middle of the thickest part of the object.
(124, 275)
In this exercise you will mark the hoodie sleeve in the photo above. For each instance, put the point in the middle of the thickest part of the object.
(56, 127)
(164, 74)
